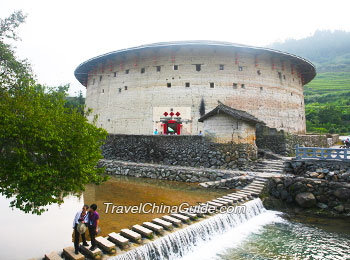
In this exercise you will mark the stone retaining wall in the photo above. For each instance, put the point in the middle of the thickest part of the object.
(238, 182)
(192, 151)
(309, 193)
(284, 143)
(172, 173)
(319, 169)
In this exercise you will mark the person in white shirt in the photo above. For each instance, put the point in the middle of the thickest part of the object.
(82, 216)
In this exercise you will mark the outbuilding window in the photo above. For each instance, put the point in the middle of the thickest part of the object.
(234, 85)
(158, 68)
(176, 67)
(211, 84)
(126, 71)
(142, 70)
(243, 86)
(125, 87)
(187, 84)
(221, 67)
(168, 85)
(198, 67)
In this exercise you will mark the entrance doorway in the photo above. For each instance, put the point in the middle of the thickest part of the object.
(172, 127)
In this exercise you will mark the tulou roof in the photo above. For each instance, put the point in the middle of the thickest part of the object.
(308, 71)
(235, 113)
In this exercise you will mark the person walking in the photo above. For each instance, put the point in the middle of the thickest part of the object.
(156, 132)
(94, 220)
(81, 218)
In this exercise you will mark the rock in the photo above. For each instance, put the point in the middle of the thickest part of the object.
(313, 175)
(305, 199)
(325, 171)
(342, 193)
(339, 208)
(280, 187)
(321, 176)
(284, 194)
(321, 205)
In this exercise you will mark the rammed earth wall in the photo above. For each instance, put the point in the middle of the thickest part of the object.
(192, 151)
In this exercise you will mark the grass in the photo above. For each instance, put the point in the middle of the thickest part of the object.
(328, 83)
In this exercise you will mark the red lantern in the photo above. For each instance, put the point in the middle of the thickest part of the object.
(171, 114)
(177, 114)
(165, 114)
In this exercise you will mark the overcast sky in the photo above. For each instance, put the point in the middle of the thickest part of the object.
(59, 35)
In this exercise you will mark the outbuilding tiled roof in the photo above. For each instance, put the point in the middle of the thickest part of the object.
(235, 113)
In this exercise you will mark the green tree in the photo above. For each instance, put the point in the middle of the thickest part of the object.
(48, 150)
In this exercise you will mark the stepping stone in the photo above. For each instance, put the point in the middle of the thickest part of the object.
(106, 245)
(69, 253)
(53, 256)
(143, 231)
(244, 192)
(238, 196)
(194, 210)
(156, 228)
(221, 202)
(231, 198)
(165, 224)
(135, 237)
(192, 216)
(96, 254)
(118, 239)
(253, 190)
(172, 220)
(217, 205)
(229, 202)
(183, 218)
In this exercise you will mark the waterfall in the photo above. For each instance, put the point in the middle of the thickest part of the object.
(181, 242)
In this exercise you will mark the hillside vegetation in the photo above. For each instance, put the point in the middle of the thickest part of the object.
(327, 97)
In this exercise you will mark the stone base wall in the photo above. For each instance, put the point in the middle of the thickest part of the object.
(238, 182)
(284, 143)
(337, 171)
(173, 173)
(312, 193)
(192, 151)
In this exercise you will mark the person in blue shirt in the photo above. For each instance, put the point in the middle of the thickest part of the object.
(82, 216)
(156, 132)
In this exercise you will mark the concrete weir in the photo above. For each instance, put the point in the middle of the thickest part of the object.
(165, 237)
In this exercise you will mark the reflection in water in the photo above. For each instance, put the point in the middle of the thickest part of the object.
(133, 191)
(25, 235)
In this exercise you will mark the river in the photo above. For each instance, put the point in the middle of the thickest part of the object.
(269, 235)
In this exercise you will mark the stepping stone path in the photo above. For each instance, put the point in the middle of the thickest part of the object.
(96, 254)
(106, 245)
(69, 254)
(53, 256)
(117, 242)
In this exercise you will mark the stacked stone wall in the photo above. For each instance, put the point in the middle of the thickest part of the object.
(192, 151)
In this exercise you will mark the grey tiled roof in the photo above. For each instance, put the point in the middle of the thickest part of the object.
(235, 113)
